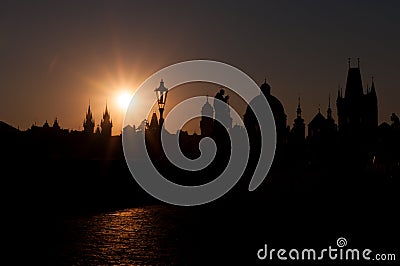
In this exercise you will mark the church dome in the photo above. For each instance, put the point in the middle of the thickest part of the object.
(276, 106)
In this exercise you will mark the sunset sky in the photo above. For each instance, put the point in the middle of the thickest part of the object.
(55, 56)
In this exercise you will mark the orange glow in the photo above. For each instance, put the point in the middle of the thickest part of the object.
(123, 99)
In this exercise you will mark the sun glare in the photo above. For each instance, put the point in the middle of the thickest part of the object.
(123, 99)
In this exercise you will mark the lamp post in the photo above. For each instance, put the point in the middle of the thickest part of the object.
(161, 93)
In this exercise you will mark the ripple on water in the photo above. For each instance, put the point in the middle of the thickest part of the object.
(138, 236)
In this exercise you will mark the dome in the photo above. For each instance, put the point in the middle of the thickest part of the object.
(276, 106)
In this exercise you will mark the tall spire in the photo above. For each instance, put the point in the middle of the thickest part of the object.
(298, 108)
(329, 101)
(358, 62)
(106, 123)
(88, 123)
(372, 90)
(329, 111)
(89, 106)
(349, 61)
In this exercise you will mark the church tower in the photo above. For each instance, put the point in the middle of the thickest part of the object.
(88, 123)
(331, 126)
(207, 121)
(357, 112)
(106, 124)
(153, 127)
(299, 127)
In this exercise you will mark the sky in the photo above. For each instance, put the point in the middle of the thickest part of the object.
(55, 56)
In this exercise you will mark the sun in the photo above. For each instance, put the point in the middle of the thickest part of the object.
(123, 99)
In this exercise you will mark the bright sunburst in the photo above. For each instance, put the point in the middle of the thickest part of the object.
(123, 99)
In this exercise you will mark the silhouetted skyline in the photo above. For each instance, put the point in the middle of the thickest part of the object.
(55, 56)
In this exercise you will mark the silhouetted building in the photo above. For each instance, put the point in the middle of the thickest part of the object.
(253, 127)
(321, 128)
(317, 126)
(106, 124)
(278, 112)
(298, 132)
(153, 126)
(47, 131)
(331, 126)
(395, 121)
(7, 130)
(97, 131)
(55, 124)
(357, 111)
(88, 123)
(207, 121)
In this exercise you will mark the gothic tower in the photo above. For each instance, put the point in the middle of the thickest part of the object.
(88, 123)
(106, 124)
(357, 112)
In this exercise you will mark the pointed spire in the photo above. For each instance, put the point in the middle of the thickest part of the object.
(106, 112)
(372, 86)
(89, 106)
(358, 62)
(298, 109)
(319, 108)
(329, 111)
(329, 101)
(349, 61)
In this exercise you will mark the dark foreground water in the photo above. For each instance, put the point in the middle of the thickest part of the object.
(154, 235)
(149, 235)
(215, 235)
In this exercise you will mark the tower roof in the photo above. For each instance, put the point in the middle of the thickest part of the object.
(373, 91)
(299, 109)
(207, 109)
(354, 87)
(318, 120)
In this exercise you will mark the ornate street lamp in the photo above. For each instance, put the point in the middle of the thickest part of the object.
(161, 93)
